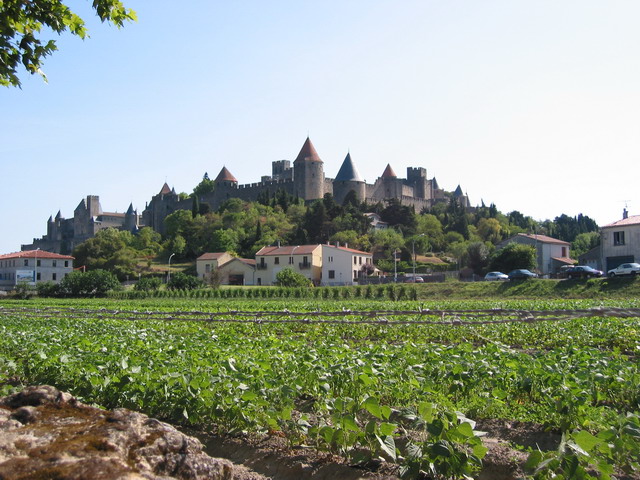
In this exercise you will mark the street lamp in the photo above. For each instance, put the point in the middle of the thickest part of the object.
(395, 266)
(169, 270)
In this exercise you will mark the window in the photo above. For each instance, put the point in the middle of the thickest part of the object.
(54, 277)
(355, 275)
(276, 261)
(329, 259)
(355, 260)
(332, 274)
(290, 260)
(26, 262)
(38, 276)
(54, 263)
(305, 261)
(564, 251)
(359, 260)
(618, 238)
(66, 263)
(259, 281)
(207, 268)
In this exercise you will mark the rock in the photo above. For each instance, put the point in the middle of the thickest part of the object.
(45, 433)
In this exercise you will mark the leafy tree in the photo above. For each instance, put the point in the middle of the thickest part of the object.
(478, 257)
(584, 242)
(22, 24)
(146, 284)
(95, 283)
(512, 256)
(182, 281)
(205, 186)
(288, 278)
(489, 229)
(111, 249)
(401, 216)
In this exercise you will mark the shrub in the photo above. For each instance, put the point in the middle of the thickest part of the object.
(182, 281)
(148, 284)
(288, 278)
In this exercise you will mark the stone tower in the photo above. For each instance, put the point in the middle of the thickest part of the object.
(348, 179)
(308, 173)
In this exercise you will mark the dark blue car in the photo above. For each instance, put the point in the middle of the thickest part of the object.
(521, 274)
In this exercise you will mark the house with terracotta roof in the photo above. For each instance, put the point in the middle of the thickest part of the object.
(32, 267)
(238, 271)
(207, 263)
(620, 241)
(551, 253)
(342, 265)
(303, 259)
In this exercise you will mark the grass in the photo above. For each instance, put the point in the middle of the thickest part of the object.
(539, 288)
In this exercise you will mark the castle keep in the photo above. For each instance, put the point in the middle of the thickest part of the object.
(305, 178)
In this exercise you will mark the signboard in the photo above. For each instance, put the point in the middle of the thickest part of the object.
(25, 276)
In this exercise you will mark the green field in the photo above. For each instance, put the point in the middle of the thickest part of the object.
(358, 377)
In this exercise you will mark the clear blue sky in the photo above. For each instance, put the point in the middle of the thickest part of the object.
(532, 105)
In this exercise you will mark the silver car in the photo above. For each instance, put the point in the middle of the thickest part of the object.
(625, 269)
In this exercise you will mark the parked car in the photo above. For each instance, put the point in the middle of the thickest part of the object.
(564, 270)
(414, 280)
(521, 274)
(583, 271)
(491, 276)
(625, 269)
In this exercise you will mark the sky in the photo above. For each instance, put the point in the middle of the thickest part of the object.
(531, 105)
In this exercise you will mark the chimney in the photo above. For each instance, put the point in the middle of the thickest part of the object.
(346, 245)
(625, 213)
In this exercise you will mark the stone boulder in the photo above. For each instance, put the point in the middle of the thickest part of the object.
(48, 434)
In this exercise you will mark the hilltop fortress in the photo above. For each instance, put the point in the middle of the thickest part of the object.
(304, 179)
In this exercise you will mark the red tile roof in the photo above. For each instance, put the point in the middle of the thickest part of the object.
(567, 260)
(165, 189)
(211, 256)
(543, 239)
(225, 176)
(625, 222)
(297, 250)
(36, 254)
(347, 249)
(308, 153)
(388, 172)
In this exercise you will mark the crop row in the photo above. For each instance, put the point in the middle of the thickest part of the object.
(349, 387)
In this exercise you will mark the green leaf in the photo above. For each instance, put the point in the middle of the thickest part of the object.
(586, 441)
(372, 406)
(425, 410)
(480, 450)
(388, 446)
(387, 428)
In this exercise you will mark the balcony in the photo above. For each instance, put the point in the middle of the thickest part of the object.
(304, 266)
(260, 266)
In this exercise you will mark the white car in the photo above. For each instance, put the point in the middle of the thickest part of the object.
(496, 276)
(625, 269)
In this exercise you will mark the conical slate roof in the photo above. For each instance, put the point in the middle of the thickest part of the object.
(225, 176)
(308, 153)
(58, 215)
(130, 209)
(388, 172)
(348, 171)
(458, 192)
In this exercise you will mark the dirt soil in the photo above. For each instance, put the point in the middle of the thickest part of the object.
(270, 457)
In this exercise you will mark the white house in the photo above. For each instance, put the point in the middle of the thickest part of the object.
(343, 265)
(551, 253)
(207, 263)
(303, 259)
(620, 241)
(33, 266)
(238, 271)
